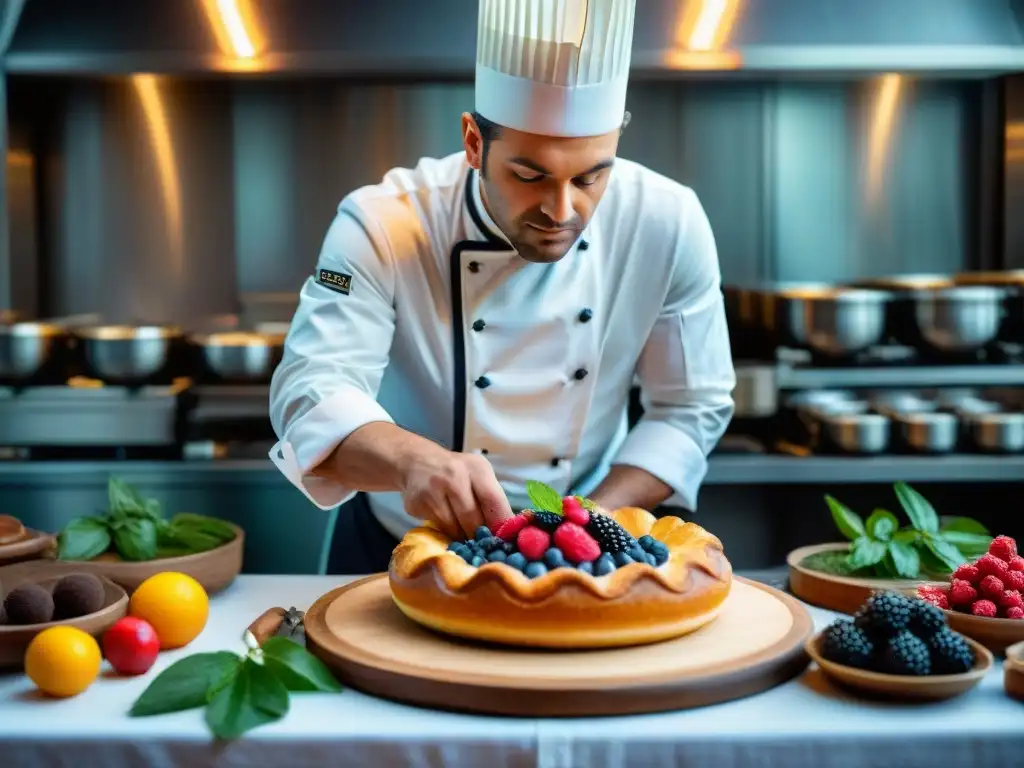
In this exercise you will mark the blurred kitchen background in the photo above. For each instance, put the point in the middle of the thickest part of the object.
(172, 167)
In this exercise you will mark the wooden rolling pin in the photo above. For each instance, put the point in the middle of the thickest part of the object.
(269, 623)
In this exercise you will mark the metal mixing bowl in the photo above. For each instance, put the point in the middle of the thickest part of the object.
(959, 319)
(26, 348)
(830, 321)
(240, 356)
(1012, 281)
(127, 354)
(864, 433)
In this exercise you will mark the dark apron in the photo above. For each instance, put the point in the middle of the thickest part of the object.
(360, 544)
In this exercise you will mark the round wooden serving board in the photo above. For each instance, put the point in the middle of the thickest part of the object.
(756, 643)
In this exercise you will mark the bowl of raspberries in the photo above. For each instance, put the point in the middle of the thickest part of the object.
(985, 598)
(899, 646)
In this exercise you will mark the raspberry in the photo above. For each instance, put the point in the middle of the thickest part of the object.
(573, 511)
(990, 565)
(1016, 563)
(1010, 599)
(533, 542)
(962, 593)
(984, 608)
(968, 573)
(1003, 547)
(576, 544)
(991, 587)
(1014, 613)
(936, 597)
(508, 530)
(1015, 580)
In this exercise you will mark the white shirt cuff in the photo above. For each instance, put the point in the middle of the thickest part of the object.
(670, 455)
(313, 436)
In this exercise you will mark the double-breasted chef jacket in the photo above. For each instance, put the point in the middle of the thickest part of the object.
(422, 314)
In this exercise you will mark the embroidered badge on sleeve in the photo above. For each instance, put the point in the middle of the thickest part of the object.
(336, 281)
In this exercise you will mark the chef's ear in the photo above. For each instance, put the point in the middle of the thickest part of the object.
(473, 141)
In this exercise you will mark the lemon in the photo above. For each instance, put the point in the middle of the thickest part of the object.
(175, 604)
(63, 661)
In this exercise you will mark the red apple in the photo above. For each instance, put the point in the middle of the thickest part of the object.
(131, 646)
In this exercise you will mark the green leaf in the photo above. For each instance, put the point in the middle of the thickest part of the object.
(905, 559)
(296, 667)
(187, 683)
(969, 544)
(882, 524)
(136, 539)
(846, 520)
(586, 503)
(866, 552)
(153, 510)
(83, 539)
(921, 513)
(124, 498)
(945, 552)
(907, 536)
(254, 697)
(544, 497)
(964, 525)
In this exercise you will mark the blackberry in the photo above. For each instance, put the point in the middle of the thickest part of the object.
(883, 615)
(547, 521)
(906, 655)
(926, 620)
(950, 653)
(611, 536)
(844, 643)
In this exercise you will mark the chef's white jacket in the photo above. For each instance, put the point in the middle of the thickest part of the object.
(420, 313)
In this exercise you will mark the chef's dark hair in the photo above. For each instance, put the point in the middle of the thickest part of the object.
(490, 130)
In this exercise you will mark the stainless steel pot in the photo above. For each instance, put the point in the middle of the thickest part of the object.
(959, 319)
(893, 403)
(127, 354)
(997, 432)
(240, 356)
(1012, 281)
(928, 432)
(864, 433)
(829, 321)
(26, 349)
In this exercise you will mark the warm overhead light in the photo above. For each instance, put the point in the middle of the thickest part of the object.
(233, 23)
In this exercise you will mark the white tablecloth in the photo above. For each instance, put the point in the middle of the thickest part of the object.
(802, 723)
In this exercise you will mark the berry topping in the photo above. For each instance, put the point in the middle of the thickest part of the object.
(991, 587)
(533, 543)
(535, 570)
(925, 619)
(984, 608)
(586, 568)
(1015, 580)
(951, 654)
(962, 593)
(1016, 563)
(935, 595)
(990, 565)
(906, 654)
(483, 532)
(844, 643)
(1014, 613)
(510, 529)
(1010, 599)
(577, 545)
(968, 573)
(517, 560)
(1003, 547)
(554, 558)
(547, 521)
(611, 536)
(884, 614)
(574, 512)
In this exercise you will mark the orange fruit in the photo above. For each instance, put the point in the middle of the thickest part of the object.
(175, 604)
(63, 661)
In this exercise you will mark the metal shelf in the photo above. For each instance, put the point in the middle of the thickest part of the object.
(814, 470)
(789, 377)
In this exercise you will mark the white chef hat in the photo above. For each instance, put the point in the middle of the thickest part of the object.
(554, 67)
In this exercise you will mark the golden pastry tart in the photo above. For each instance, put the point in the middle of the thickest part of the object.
(667, 578)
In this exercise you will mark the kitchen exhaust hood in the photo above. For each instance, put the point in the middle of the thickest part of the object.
(432, 38)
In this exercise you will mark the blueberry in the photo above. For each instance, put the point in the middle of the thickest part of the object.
(497, 556)
(516, 560)
(605, 564)
(661, 558)
(659, 550)
(637, 553)
(651, 560)
(483, 532)
(554, 558)
(587, 567)
(646, 541)
(455, 546)
(508, 547)
(535, 569)
(477, 561)
(622, 559)
(491, 543)
(467, 555)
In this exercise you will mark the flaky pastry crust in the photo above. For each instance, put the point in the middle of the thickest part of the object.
(566, 608)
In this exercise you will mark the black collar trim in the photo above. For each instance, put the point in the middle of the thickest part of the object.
(490, 234)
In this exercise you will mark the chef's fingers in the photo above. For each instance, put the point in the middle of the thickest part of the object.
(463, 504)
(437, 509)
(491, 498)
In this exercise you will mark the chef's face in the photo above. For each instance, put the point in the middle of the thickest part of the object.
(541, 191)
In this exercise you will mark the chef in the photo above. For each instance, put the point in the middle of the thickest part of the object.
(478, 321)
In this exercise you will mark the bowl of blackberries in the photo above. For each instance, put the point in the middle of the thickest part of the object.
(82, 600)
(899, 647)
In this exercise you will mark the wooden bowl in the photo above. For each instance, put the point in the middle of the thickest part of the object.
(34, 545)
(1013, 671)
(214, 569)
(15, 638)
(995, 634)
(844, 594)
(902, 687)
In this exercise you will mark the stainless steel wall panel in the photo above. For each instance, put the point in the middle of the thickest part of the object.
(1013, 210)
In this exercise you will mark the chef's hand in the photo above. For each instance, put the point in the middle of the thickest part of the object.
(456, 491)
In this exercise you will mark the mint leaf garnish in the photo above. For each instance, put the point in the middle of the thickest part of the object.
(254, 697)
(544, 497)
(296, 667)
(186, 683)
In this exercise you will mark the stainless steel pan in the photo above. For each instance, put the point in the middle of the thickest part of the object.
(1012, 281)
(127, 354)
(830, 321)
(26, 349)
(239, 356)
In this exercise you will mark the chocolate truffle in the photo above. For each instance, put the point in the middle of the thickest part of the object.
(76, 595)
(29, 604)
